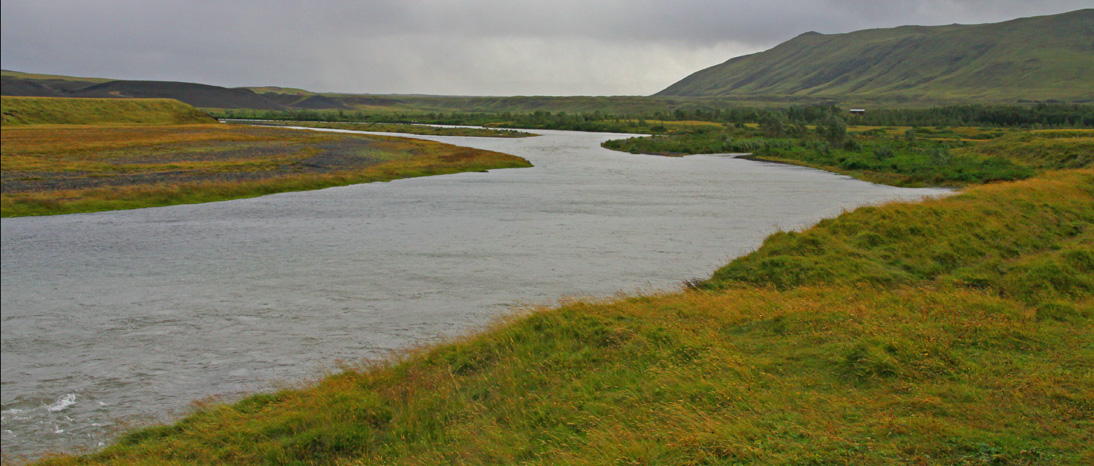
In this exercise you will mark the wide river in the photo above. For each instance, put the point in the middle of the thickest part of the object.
(116, 318)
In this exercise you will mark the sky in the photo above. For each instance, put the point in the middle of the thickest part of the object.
(443, 47)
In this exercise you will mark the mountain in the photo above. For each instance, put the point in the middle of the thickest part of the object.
(1038, 58)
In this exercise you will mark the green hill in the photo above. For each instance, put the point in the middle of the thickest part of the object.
(51, 110)
(1039, 58)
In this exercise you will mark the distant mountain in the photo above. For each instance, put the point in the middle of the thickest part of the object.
(198, 95)
(1039, 58)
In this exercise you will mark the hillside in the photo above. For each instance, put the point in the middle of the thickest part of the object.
(198, 95)
(37, 110)
(1038, 58)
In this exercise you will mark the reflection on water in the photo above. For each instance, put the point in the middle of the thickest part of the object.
(129, 316)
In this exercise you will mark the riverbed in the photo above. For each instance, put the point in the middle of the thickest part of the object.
(120, 318)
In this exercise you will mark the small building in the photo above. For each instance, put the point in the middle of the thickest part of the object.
(858, 111)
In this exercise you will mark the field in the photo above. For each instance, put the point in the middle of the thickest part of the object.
(54, 169)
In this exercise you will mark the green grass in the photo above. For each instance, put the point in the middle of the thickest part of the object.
(951, 331)
(56, 110)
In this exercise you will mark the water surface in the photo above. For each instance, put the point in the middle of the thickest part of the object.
(118, 317)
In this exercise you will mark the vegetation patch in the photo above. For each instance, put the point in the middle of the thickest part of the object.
(902, 156)
(57, 169)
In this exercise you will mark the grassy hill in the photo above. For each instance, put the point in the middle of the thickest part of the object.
(1039, 58)
(46, 111)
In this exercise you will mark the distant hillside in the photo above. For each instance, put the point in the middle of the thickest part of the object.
(53, 110)
(198, 95)
(304, 101)
(1039, 58)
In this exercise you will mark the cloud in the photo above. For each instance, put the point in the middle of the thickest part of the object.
(473, 47)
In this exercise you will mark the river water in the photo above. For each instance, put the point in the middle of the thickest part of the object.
(120, 318)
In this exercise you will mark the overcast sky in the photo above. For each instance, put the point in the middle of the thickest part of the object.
(450, 47)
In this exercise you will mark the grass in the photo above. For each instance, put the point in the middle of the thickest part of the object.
(951, 331)
(65, 110)
(58, 169)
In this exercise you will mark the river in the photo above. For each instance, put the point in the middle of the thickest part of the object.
(120, 318)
